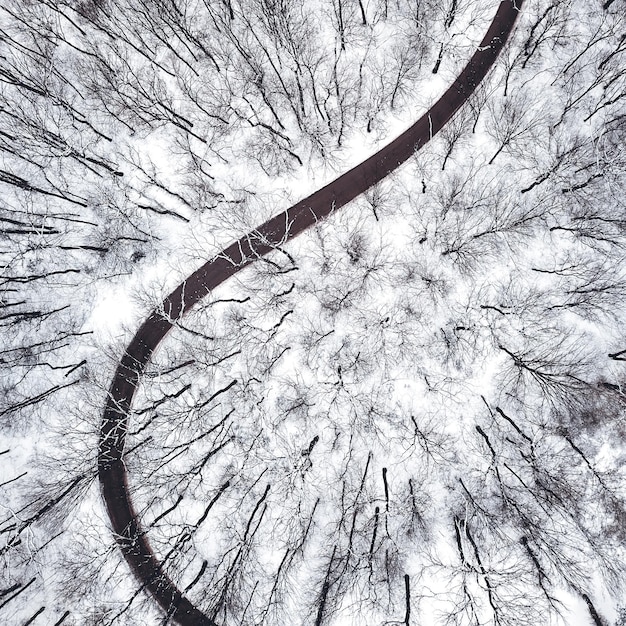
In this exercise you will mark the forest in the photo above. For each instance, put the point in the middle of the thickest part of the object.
(412, 413)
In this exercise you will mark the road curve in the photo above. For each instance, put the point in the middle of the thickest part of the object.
(129, 534)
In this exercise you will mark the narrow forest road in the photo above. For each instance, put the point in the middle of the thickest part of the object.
(131, 537)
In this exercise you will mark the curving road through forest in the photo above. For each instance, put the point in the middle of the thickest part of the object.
(129, 534)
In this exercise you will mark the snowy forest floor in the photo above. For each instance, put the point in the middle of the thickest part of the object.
(414, 412)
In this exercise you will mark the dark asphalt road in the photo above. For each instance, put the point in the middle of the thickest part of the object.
(130, 536)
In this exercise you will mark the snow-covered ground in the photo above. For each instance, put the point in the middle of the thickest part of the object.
(427, 389)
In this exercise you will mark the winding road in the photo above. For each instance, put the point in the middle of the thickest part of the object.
(129, 534)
